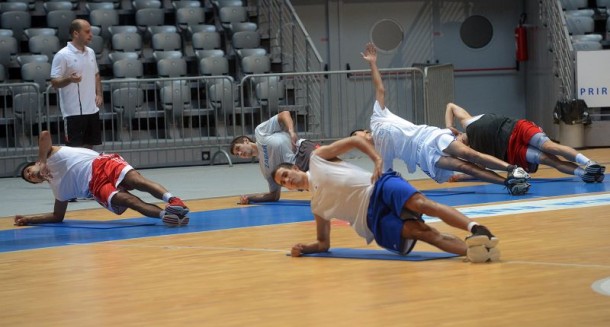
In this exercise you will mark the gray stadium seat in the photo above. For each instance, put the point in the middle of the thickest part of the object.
(206, 41)
(209, 53)
(574, 4)
(214, 66)
(229, 15)
(190, 16)
(17, 21)
(128, 68)
(6, 32)
(57, 5)
(61, 20)
(91, 6)
(35, 31)
(127, 42)
(173, 54)
(13, 6)
(269, 92)
(256, 65)
(37, 72)
(116, 29)
(44, 44)
(148, 17)
(104, 18)
(142, 4)
(171, 67)
(166, 42)
(8, 49)
(118, 56)
(186, 4)
(24, 59)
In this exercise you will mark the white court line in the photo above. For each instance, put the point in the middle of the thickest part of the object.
(180, 247)
(521, 207)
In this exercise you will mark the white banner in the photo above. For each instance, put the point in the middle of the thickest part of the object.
(593, 77)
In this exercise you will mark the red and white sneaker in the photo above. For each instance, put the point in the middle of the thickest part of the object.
(176, 207)
(175, 220)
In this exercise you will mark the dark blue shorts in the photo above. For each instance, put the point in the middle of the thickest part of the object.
(388, 232)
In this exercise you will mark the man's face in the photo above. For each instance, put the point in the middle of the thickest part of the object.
(243, 150)
(85, 35)
(366, 134)
(32, 174)
(291, 178)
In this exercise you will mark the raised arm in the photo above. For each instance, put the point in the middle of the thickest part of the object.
(288, 125)
(323, 239)
(342, 146)
(370, 55)
(454, 112)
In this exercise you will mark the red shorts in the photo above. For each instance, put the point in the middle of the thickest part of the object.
(108, 171)
(519, 141)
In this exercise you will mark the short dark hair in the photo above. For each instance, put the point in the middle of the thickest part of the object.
(75, 26)
(29, 164)
(287, 165)
(238, 140)
(357, 130)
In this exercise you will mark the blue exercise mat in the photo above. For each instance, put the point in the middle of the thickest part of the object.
(73, 223)
(369, 254)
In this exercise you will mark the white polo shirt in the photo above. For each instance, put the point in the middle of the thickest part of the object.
(70, 60)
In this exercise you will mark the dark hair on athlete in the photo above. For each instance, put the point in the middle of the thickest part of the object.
(29, 164)
(238, 140)
(286, 165)
(359, 130)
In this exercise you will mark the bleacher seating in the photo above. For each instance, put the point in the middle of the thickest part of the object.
(138, 39)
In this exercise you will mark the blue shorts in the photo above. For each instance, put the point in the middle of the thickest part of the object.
(387, 225)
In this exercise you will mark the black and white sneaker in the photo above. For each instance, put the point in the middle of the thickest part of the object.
(175, 220)
(593, 168)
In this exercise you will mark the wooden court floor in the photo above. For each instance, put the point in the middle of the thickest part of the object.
(242, 277)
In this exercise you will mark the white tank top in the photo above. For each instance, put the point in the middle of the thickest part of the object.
(341, 190)
(71, 171)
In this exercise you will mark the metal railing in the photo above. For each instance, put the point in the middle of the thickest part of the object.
(191, 120)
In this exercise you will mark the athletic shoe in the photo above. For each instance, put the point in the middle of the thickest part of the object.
(175, 220)
(482, 246)
(518, 189)
(176, 207)
(593, 168)
(482, 236)
(517, 175)
(592, 178)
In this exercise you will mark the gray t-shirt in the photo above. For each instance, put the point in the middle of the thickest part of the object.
(274, 147)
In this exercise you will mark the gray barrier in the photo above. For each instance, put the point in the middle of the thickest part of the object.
(191, 120)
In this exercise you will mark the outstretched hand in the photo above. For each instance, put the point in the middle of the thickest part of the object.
(21, 220)
(370, 53)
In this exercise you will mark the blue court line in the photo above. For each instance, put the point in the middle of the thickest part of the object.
(285, 211)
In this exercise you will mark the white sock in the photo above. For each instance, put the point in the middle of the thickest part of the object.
(162, 214)
(581, 159)
(471, 224)
(579, 172)
(167, 196)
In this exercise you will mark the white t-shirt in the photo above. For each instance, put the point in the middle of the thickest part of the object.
(341, 190)
(71, 171)
(274, 147)
(416, 145)
(70, 60)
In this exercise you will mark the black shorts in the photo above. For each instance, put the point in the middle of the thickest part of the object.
(83, 130)
(304, 153)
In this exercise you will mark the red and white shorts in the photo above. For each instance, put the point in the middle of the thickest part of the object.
(108, 171)
(518, 143)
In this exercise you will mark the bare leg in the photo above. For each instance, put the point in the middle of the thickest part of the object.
(418, 230)
(419, 203)
(126, 199)
(451, 163)
(559, 150)
(462, 151)
(565, 167)
(134, 180)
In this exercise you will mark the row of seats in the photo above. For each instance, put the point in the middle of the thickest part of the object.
(588, 23)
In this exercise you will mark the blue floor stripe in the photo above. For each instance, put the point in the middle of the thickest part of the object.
(285, 211)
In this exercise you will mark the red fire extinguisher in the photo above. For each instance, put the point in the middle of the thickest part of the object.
(521, 40)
